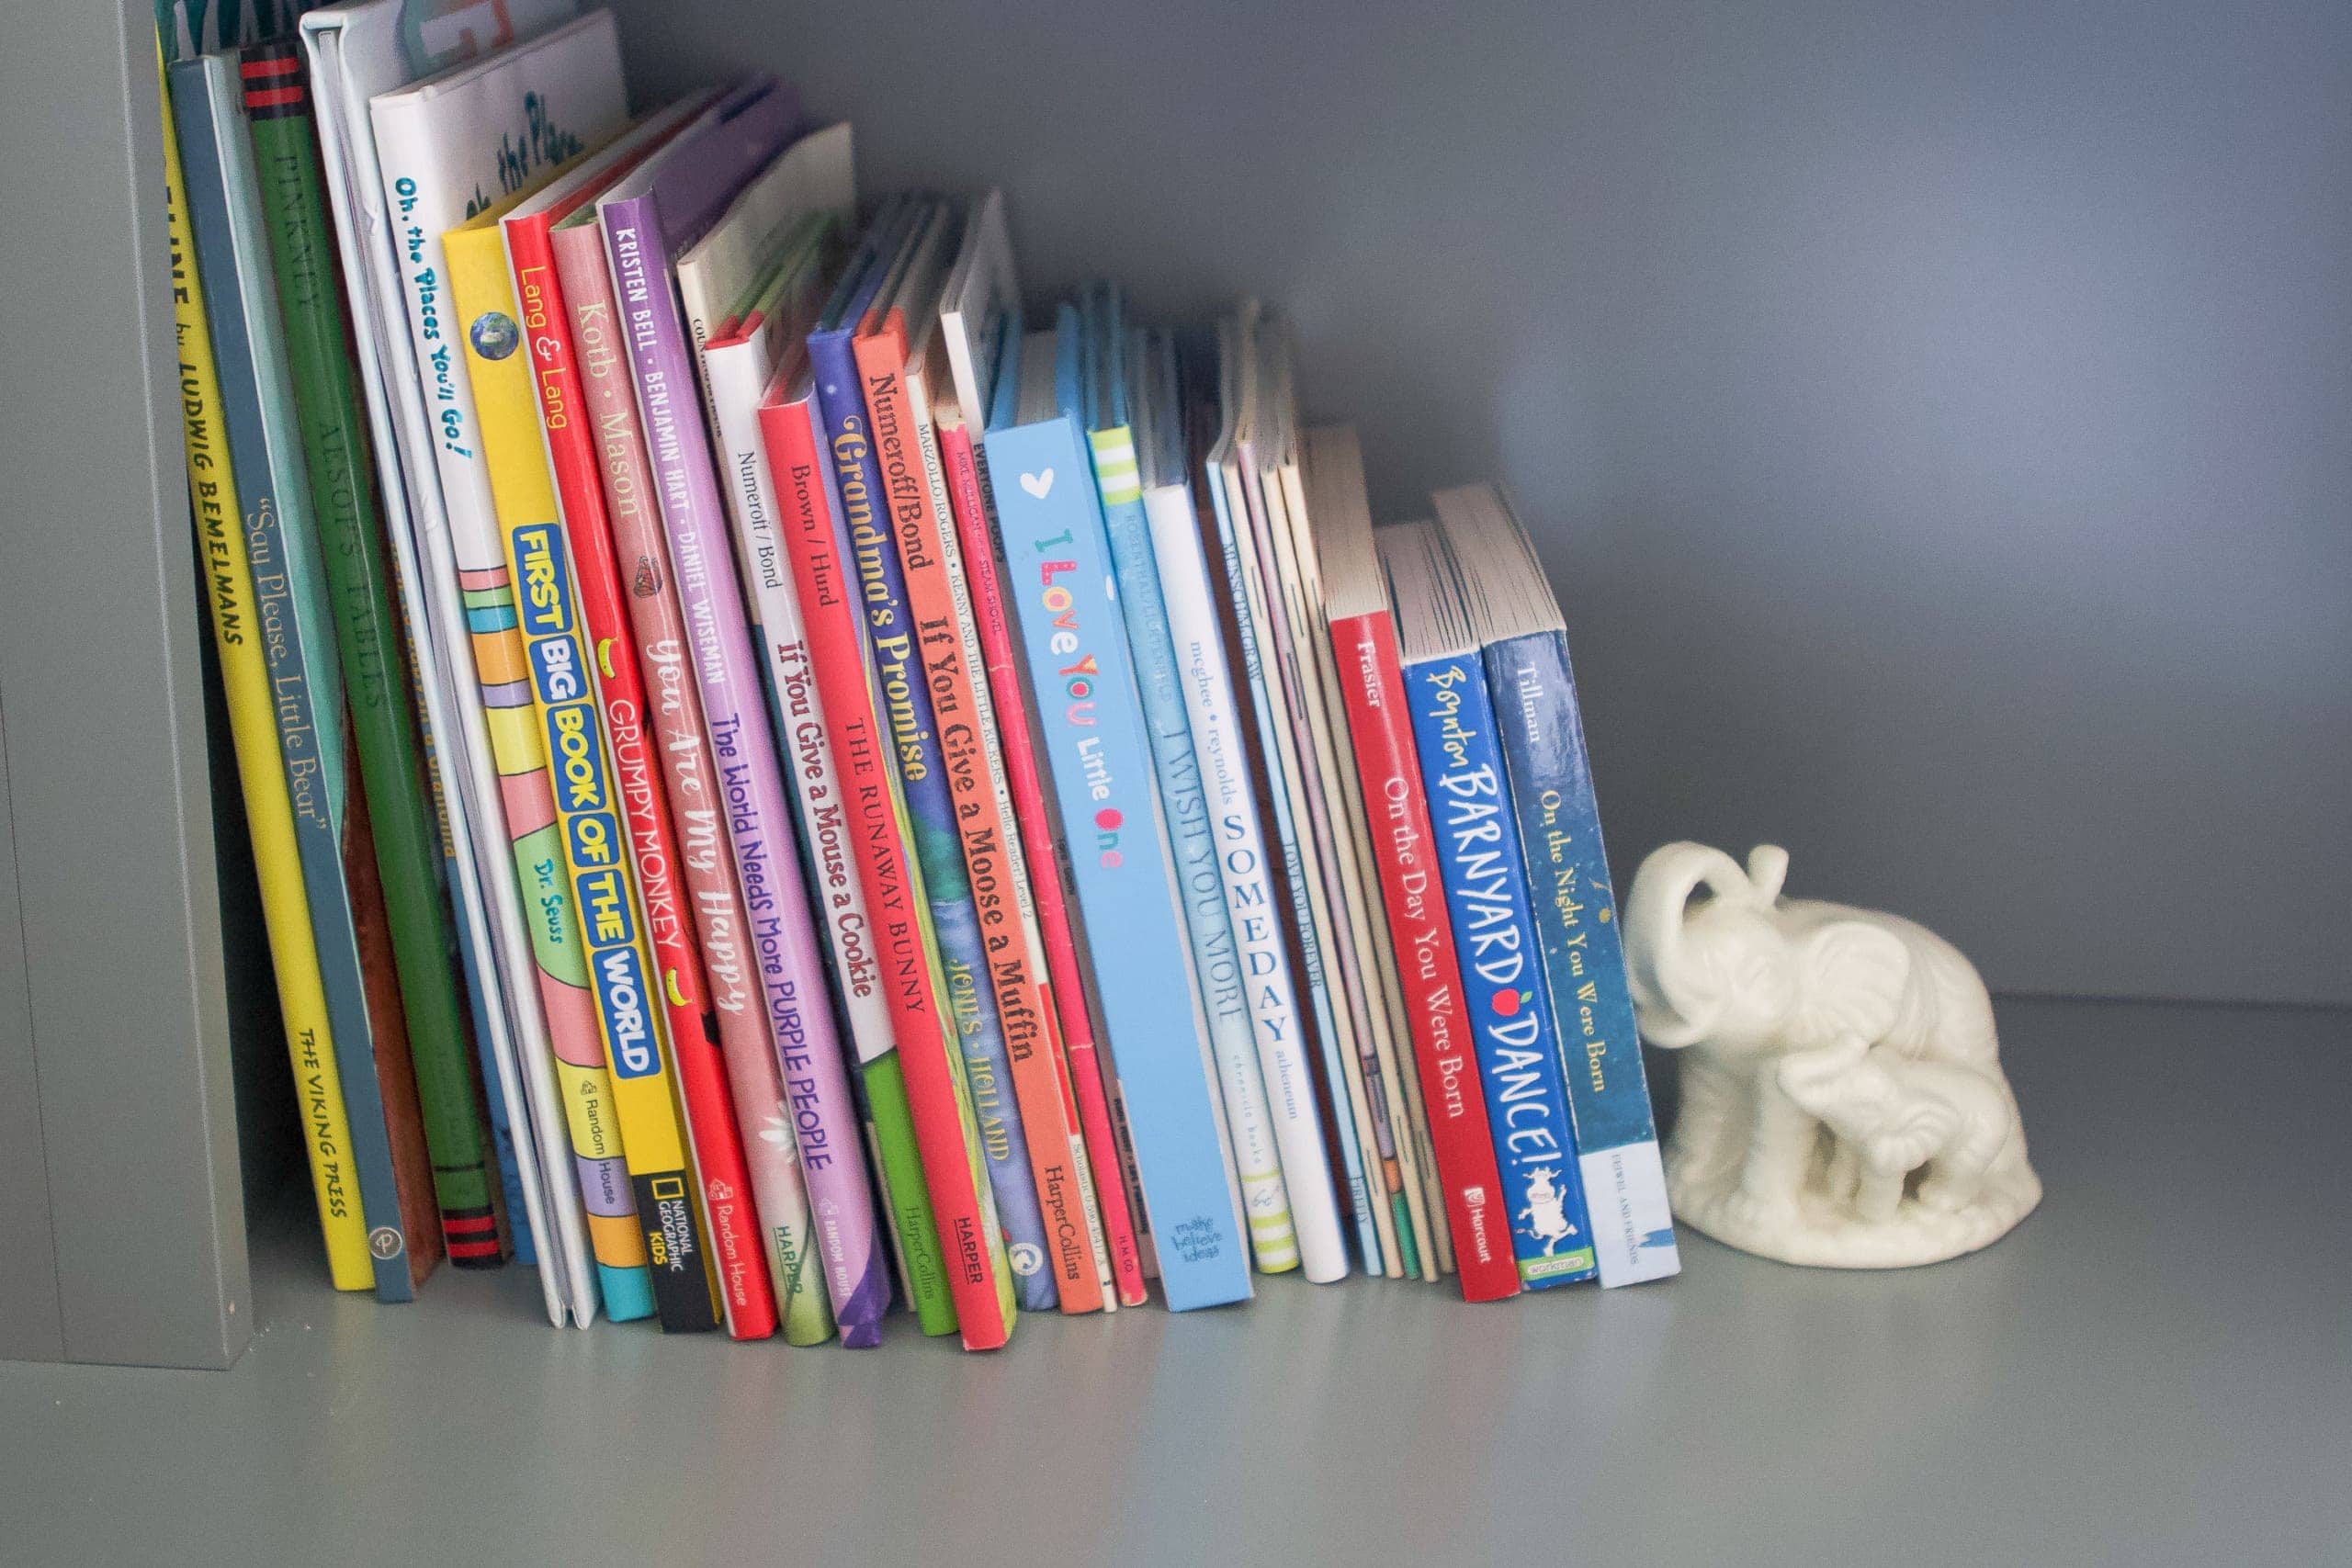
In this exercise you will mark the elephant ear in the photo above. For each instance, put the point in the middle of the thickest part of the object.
(1849, 984)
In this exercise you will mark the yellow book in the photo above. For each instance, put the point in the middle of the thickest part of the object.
(595, 837)
(253, 725)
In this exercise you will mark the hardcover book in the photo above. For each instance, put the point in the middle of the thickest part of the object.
(1229, 473)
(1507, 999)
(408, 857)
(986, 1293)
(357, 51)
(534, 596)
(1114, 402)
(979, 313)
(1364, 640)
(1513, 612)
(917, 660)
(214, 501)
(648, 217)
(1092, 727)
(291, 602)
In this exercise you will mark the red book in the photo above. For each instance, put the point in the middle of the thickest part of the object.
(1402, 839)
(1080, 1067)
(720, 1165)
(790, 421)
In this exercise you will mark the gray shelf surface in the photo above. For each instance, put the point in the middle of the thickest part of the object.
(2155, 1368)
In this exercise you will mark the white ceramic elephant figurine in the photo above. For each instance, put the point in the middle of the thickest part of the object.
(1842, 1097)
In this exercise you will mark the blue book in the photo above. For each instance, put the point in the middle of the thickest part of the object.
(1513, 614)
(289, 594)
(1505, 990)
(880, 462)
(1090, 725)
(1115, 414)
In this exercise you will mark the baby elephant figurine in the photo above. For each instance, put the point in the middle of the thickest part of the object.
(1843, 1103)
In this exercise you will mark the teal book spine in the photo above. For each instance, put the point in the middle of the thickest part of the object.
(232, 261)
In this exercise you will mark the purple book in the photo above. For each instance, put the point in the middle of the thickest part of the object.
(648, 218)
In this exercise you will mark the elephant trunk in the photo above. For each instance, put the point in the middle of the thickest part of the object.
(1672, 1004)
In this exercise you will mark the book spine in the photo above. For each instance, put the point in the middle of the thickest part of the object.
(928, 701)
(353, 55)
(657, 634)
(1273, 767)
(750, 788)
(750, 1188)
(993, 854)
(533, 595)
(1072, 1038)
(905, 1147)
(1584, 956)
(231, 252)
(214, 498)
(1092, 729)
(987, 1297)
(1294, 679)
(1404, 845)
(734, 378)
(1505, 996)
(1276, 1022)
(1265, 1199)
(342, 497)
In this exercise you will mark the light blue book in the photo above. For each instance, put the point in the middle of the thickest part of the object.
(1112, 411)
(1090, 725)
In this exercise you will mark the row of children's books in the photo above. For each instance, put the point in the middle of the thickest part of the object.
(786, 787)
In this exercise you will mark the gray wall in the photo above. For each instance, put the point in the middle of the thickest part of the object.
(1936, 416)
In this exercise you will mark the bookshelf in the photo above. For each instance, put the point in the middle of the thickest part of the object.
(1710, 369)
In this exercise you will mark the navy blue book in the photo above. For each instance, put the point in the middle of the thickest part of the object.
(1505, 990)
(1514, 616)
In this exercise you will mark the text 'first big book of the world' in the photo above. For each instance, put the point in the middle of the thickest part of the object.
(1091, 726)
(1526, 648)
(1509, 1001)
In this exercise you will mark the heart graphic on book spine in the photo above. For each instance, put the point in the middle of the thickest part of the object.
(1038, 484)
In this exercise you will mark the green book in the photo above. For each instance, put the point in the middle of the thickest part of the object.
(384, 727)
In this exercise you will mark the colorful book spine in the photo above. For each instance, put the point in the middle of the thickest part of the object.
(956, 1163)
(276, 103)
(535, 596)
(1506, 996)
(1072, 1039)
(253, 726)
(918, 660)
(997, 860)
(1091, 724)
(784, 938)
(232, 255)
(1404, 843)
(1265, 1199)
(906, 1148)
(1576, 915)
(657, 631)
(750, 1188)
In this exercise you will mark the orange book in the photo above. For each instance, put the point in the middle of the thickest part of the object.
(896, 373)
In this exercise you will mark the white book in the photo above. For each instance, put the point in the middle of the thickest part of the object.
(456, 145)
(1283, 721)
(1351, 853)
(816, 173)
(357, 52)
(1278, 1024)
